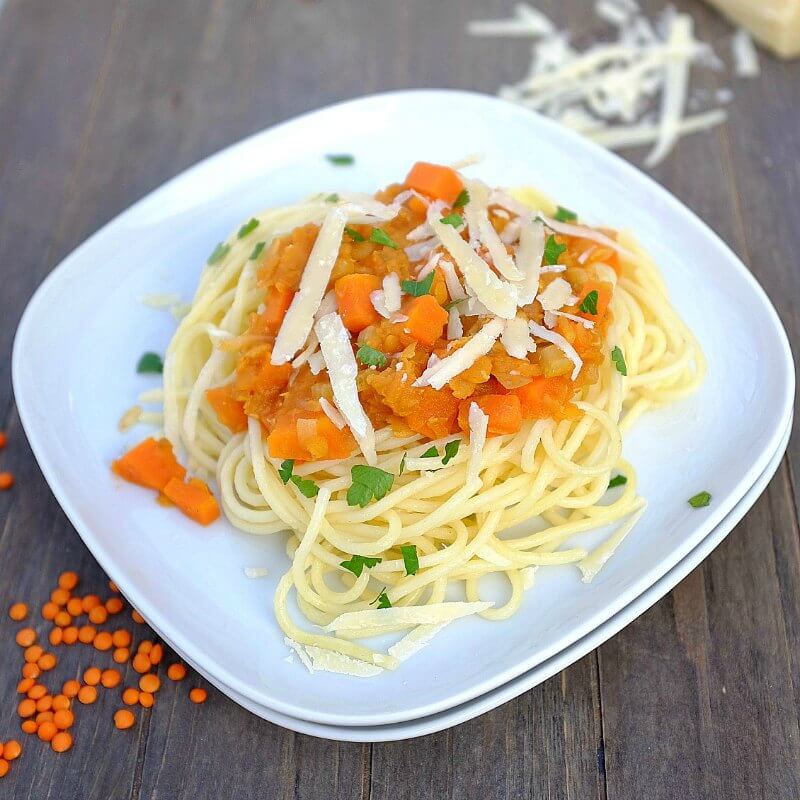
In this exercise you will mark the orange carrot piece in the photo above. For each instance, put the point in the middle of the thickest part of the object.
(544, 398)
(426, 318)
(435, 180)
(151, 463)
(308, 436)
(276, 304)
(229, 410)
(355, 306)
(504, 412)
(194, 499)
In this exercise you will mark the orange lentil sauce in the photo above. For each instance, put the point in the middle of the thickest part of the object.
(508, 389)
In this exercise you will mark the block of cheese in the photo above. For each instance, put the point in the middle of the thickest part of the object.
(773, 23)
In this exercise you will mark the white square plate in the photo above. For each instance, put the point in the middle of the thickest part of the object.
(82, 333)
(502, 694)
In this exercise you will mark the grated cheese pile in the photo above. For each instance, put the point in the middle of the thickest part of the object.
(621, 92)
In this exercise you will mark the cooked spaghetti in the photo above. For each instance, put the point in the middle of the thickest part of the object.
(400, 380)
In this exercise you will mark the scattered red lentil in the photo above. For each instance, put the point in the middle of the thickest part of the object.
(70, 635)
(86, 634)
(49, 610)
(56, 636)
(124, 719)
(4, 767)
(91, 676)
(114, 605)
(12, 750)
(47, 730)
(137, 617)
(18, 612)
(26, 637)
(61, 742)
(75, 606)
(130, 696)
(121, 638)
(63, 719)
(6, 480)
(68, 580)
(103, 641)
(29, 726)
(90, 601)
(198, 695)
(146, 700)
(61, 702)
(121, 655)
(71, 688)
(30, 670)
(110, 678)
(141, 663)
(60, 596)
(47, 662)
(63, 619)
(176, 672)
(87, 695)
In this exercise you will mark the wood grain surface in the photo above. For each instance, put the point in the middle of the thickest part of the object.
(103, 100)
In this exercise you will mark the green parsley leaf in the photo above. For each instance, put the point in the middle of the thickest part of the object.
(306, 486)
(700, 500)
(354, 234)
(451, 450)
(286, 469)
(381, 237)
(370, 357)
(418, 288)
(220, 251)
(257, 251)
(589, 303)
(341, 159)
(248, 227)
(356, 564)
(431, 452)
(456, 220)
(332, 198)
(452, 304)
(368, 482)
(619, 361)
(383, 601)
(564, 215)
(410, 558)
(552, 250)
(150, 363)
(617, 480)
(462, 199)
(402, 464)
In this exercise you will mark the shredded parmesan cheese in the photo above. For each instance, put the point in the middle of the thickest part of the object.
(342, 370)
(556, 294)
(299, 318)
(401, 616)
(414, 641)
(256, 572)
(455, 329)
(444, 370)
(517, 339)
(478, 426)
(745, 56)
(559, 341)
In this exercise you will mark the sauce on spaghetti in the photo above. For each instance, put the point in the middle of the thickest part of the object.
(509, 390)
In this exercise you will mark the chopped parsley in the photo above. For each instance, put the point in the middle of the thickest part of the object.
(354, 234)
(150, 363)
(589, 303)
(418, 288)
(381, 237)
(451, 450)
(619, 361)
(286, 468)
(306, 486)
(383, 600)
(332, 198)
(370, 357)
(368, 482)
(564, 215)
(341, 159)
(257, 251)
(402, 464)
(410, 558)
(462, 199)
(617, 480)
(356, 564)
(431, 452)
(700, 500)
(456, 220)
(248, 227)
(220, 251)
(552, 250)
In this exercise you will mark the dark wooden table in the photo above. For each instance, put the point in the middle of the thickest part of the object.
(100, 102)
